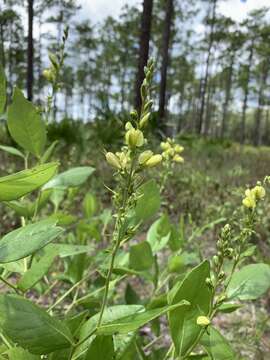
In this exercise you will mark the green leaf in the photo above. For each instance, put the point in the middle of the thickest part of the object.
(25, 124)
(149, 201)
(13, 187)
(21, 354)
(250, 282)
(48, 153)
(159, 234)
(110, 314)
(65, 250)
(89, 205)
(3, 96)
(141, 257)
(37, 270)
(32, 327)
(26, 240)
(227, 308)
(217, 346)
(133, 322)
(12, 150)
(182, 321)
(102, 347)
(70, 178)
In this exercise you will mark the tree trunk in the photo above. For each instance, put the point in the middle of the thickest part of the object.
(165, 60)
(206, 75)
(30, 51)
(246, 93)
(144, 48)
(261, 102)
(227, 98)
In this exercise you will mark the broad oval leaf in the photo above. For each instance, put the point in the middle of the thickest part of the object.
(217, 346)
(13, 187)
(26, 240)
(32, 327)
(148, 202)
(250, 282)
(70, 178)
(141, 257)
(25, 124)
(18, 353)
(110, 314)
(102, 347)
(182, 321)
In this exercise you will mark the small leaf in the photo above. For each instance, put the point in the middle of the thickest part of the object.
(70, 178)
(249, 283)
(48, 153)
(141, 257)
(13, 187)
(227, 308)
(102, 347)
(25, 124)
(89, 205)
(32, 327)
(12, 150)
(26, 240)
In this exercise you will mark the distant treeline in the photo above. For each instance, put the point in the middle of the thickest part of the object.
(212, 74)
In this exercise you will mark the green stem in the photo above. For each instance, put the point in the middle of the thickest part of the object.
(9, 284)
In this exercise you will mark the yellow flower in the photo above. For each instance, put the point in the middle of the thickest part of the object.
(178, 149)
(154, 160)
(203, 321)
(165, 145)
(144, 120)
(258, 192)
(145, 156)
(113, 160)
(177, 158)
(134, 138)
(249, 202)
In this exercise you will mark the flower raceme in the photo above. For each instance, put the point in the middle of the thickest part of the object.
(252, 196)
(172, 151)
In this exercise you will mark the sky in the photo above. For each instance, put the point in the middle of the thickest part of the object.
(98, 9)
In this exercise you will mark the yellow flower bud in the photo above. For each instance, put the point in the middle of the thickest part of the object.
(178, 149)
(134, 138)
(128, 126)
(165, 145)
(145, 156)
(124, 159)
(258, 192)
(144, 120)
(249, 202)
(113, 160)
(177, 158)
(49, 75)
(154, 160)
(203, 321)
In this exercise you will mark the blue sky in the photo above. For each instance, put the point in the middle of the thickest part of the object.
(98, 9)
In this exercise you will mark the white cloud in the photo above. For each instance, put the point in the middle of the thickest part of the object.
(238, 9)
(97, 10)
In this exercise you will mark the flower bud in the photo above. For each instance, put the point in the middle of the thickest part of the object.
(249, 202)
(145, 156)
(128, 126)
(259, 192)
(202, 321)
(154, 160)
(134, 138)
(144, 120)
(178, 149)
(49, 75)
(113, 160)
(165, 145)
(216, 260)
(221, 275)
(177, 158)
(134, 114)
